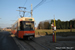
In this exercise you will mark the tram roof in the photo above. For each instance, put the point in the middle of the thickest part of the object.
(24, 19)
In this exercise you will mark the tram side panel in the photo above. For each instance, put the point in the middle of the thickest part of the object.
(14, 29)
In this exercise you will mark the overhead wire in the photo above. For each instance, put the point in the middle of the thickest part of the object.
(25, 3)
(40, 3)
(48, 1)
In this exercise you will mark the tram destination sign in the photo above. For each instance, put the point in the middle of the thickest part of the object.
(30, 19)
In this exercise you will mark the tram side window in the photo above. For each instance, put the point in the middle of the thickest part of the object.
(12, 27)
(15, 26)
(21, 25)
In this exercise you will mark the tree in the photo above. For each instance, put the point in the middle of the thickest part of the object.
(46, 25)
(41, 25)
(74, 24)
(58, 23)
(62, 26)
(71, 23)
(49, 25)
(52, 21)
(38, 26)
(67, 24)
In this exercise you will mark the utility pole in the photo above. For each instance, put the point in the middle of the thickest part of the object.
(31, 11)
(55, 28)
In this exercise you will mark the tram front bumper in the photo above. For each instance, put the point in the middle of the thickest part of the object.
(26, 34)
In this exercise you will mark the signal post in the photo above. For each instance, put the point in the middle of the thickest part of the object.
(54, 30)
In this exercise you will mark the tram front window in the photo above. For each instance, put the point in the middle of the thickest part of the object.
(27, 25)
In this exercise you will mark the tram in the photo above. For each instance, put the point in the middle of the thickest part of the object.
(24, 28)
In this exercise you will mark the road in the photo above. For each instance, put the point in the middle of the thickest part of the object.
(7, 42)
(10, 42)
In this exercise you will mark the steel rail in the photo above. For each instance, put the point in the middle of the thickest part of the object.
(41, 45)
(29, 44)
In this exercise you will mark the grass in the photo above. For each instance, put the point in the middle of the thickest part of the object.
(61, 32)
(45, 32)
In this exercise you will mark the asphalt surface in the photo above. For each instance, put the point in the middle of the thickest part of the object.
(7, 42)
(62, 43)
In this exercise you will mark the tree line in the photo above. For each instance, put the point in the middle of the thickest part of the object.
(59, 24)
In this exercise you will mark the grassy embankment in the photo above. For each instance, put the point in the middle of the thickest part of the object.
(58, 32)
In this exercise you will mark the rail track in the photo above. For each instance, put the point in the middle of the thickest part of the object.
(41, 45)
(23, 45)
(35, 45)
(29, 45)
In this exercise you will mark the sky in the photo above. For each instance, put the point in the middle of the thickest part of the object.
(42, 10)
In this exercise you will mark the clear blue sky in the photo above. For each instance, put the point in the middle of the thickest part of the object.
(62, 9)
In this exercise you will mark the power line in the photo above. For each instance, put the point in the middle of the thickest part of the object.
(48, 1)
(25, 3)
(40, 3)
